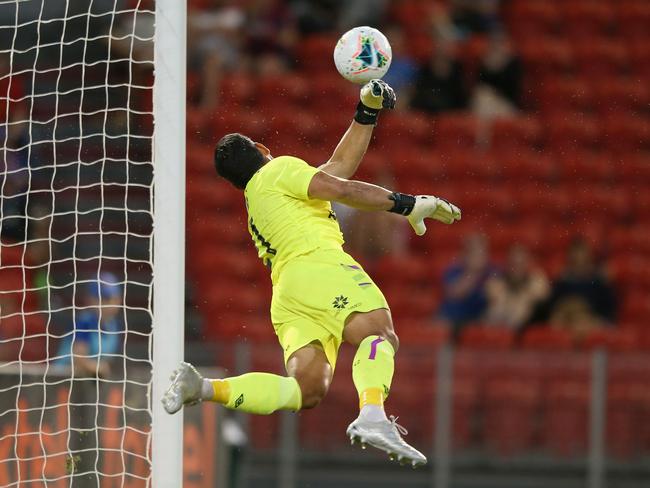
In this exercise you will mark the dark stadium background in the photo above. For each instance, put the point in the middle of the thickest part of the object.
(560, 156)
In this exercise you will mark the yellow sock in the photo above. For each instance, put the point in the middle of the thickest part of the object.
(372, 370)
(371, 396)
(258, 393)
(221, 390)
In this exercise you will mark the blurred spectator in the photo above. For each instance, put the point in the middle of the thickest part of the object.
(214, 46)
(14, 129)
(499, 81)
(574, 315)
(464, 283)
(403, 68)
(439, 83)
(270, 35)
(361, 12)
(13, 111)
(14, 185)
(582, 279)
(316, 15)
(475, 16)
(514, 295)
(97, 332)
(38, 255)
(133, 37)
(443, 27)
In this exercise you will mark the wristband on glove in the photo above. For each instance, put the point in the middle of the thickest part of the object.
(404, 203)
(366, 115)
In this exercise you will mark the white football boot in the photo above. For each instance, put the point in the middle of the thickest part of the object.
(385, 435)
(184, 390)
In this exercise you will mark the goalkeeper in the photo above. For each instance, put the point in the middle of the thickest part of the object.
(321, 295)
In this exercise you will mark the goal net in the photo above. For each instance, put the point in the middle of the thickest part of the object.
(76, 254)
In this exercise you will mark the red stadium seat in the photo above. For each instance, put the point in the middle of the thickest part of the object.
(565, 95)
(591, 166)
(639, 56)
(278, 92)
(510, 407)
(312, 50)
(410, 302)
(405, 269)
(633, 19)
(567, 131)
(236, 119)
(200, 162)
(486, 337)
(525, 165)
(585, 19)
(611, 339)
(412, 15)
(621, 95)
(331, 93)
(565, 419)
(636, 305)
(546, 55)
(409, 128)
(547, 338)
(422, 333)
(624, 133)
(454, 131)
(236, 91)
(515, 133)
(533, 19)
(198, 123)
(630, 270)
(601, 57)
(300, 126)
(12, 254)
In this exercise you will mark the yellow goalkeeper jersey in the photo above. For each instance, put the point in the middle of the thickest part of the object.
(282, 220)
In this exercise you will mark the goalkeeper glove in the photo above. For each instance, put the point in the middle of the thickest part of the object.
(420, 207)
(375, 95)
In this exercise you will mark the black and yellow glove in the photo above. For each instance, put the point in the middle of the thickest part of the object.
(375, 95)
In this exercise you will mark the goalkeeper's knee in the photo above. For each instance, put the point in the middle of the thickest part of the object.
(313, 390)
(311, 369)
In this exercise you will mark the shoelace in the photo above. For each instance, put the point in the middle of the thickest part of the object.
(400, 429)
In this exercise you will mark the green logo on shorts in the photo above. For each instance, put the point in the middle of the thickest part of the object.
(340, 302)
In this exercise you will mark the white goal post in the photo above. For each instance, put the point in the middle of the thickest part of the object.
(169, 233)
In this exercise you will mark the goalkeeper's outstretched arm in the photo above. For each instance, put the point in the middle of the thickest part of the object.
(366, 196)
(353, 145)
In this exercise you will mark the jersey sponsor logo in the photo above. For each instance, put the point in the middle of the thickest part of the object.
(340, 302)
(332, 215)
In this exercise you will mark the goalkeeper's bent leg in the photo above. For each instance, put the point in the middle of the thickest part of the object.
(374, 362)
(258, 393)
(265, 393)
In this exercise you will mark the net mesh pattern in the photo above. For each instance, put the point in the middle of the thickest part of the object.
(76, 224)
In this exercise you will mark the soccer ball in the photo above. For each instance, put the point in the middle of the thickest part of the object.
(362, 54)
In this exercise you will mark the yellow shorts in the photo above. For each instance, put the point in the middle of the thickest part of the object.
(313, 296)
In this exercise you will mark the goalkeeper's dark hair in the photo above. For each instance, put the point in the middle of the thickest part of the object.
(236, 158)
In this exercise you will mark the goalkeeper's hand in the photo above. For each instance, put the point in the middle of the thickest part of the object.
(430, 207)
(377, 94)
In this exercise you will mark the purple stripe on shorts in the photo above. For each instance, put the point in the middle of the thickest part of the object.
(373, 347)
(353, 266)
